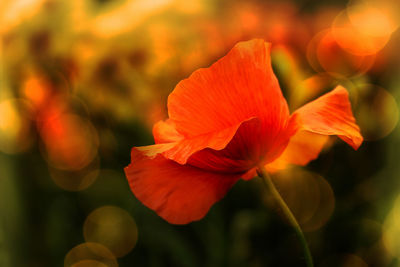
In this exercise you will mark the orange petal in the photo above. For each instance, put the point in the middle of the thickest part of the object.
(237, 87)
(303, 147)
(250, 146)
(181, 150)
(233, 150)
(179, 194)
(207, 109)
(331, 114)
(165, 132)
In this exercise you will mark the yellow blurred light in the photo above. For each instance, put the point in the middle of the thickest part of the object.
(9, 121)
(15, 132)
(125, 17)
(389, 9)
(163, 46)
(189, 7)
(90, 252)
(13, 12)
(370, 21)
(113, 227)
(354, 37)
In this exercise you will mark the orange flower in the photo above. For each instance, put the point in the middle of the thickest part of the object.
(224, 121)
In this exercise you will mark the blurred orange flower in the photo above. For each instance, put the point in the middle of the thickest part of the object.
(224, 121)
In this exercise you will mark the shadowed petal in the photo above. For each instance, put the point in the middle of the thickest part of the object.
(179, 194)
(303, 147)
(236, 149)
(181, 150)
(247, 149)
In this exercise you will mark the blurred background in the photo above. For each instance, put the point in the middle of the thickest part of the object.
(84, 81)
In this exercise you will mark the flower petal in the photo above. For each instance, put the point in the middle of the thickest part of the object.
(303, 147)
(179, 194)
(237, 87)
(165, 132)
(331, 114)
(181, 150)
(250, 146)
(207, 109)
(236, 149)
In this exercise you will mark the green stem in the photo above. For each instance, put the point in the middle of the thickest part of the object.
(262, 172)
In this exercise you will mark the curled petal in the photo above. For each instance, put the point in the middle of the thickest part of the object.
(331, 114)
(165, 132)
(179, 194)
(181, 150)
(250, 146)
(328, 115)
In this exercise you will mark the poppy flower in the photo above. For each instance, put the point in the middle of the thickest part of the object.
(225, 121)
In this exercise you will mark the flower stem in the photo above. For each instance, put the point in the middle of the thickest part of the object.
(262, 172)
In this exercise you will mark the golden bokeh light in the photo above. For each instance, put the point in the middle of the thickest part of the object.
(376, 111)
(189, 7)
(76, 180)
(334, 59)
(356, 36)
(370, 20)
(15, 126)
(125, 17)
(16, 11)
(89, 252)
(386, 14)
(113, 227)
(308, 195)
(325, 55)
